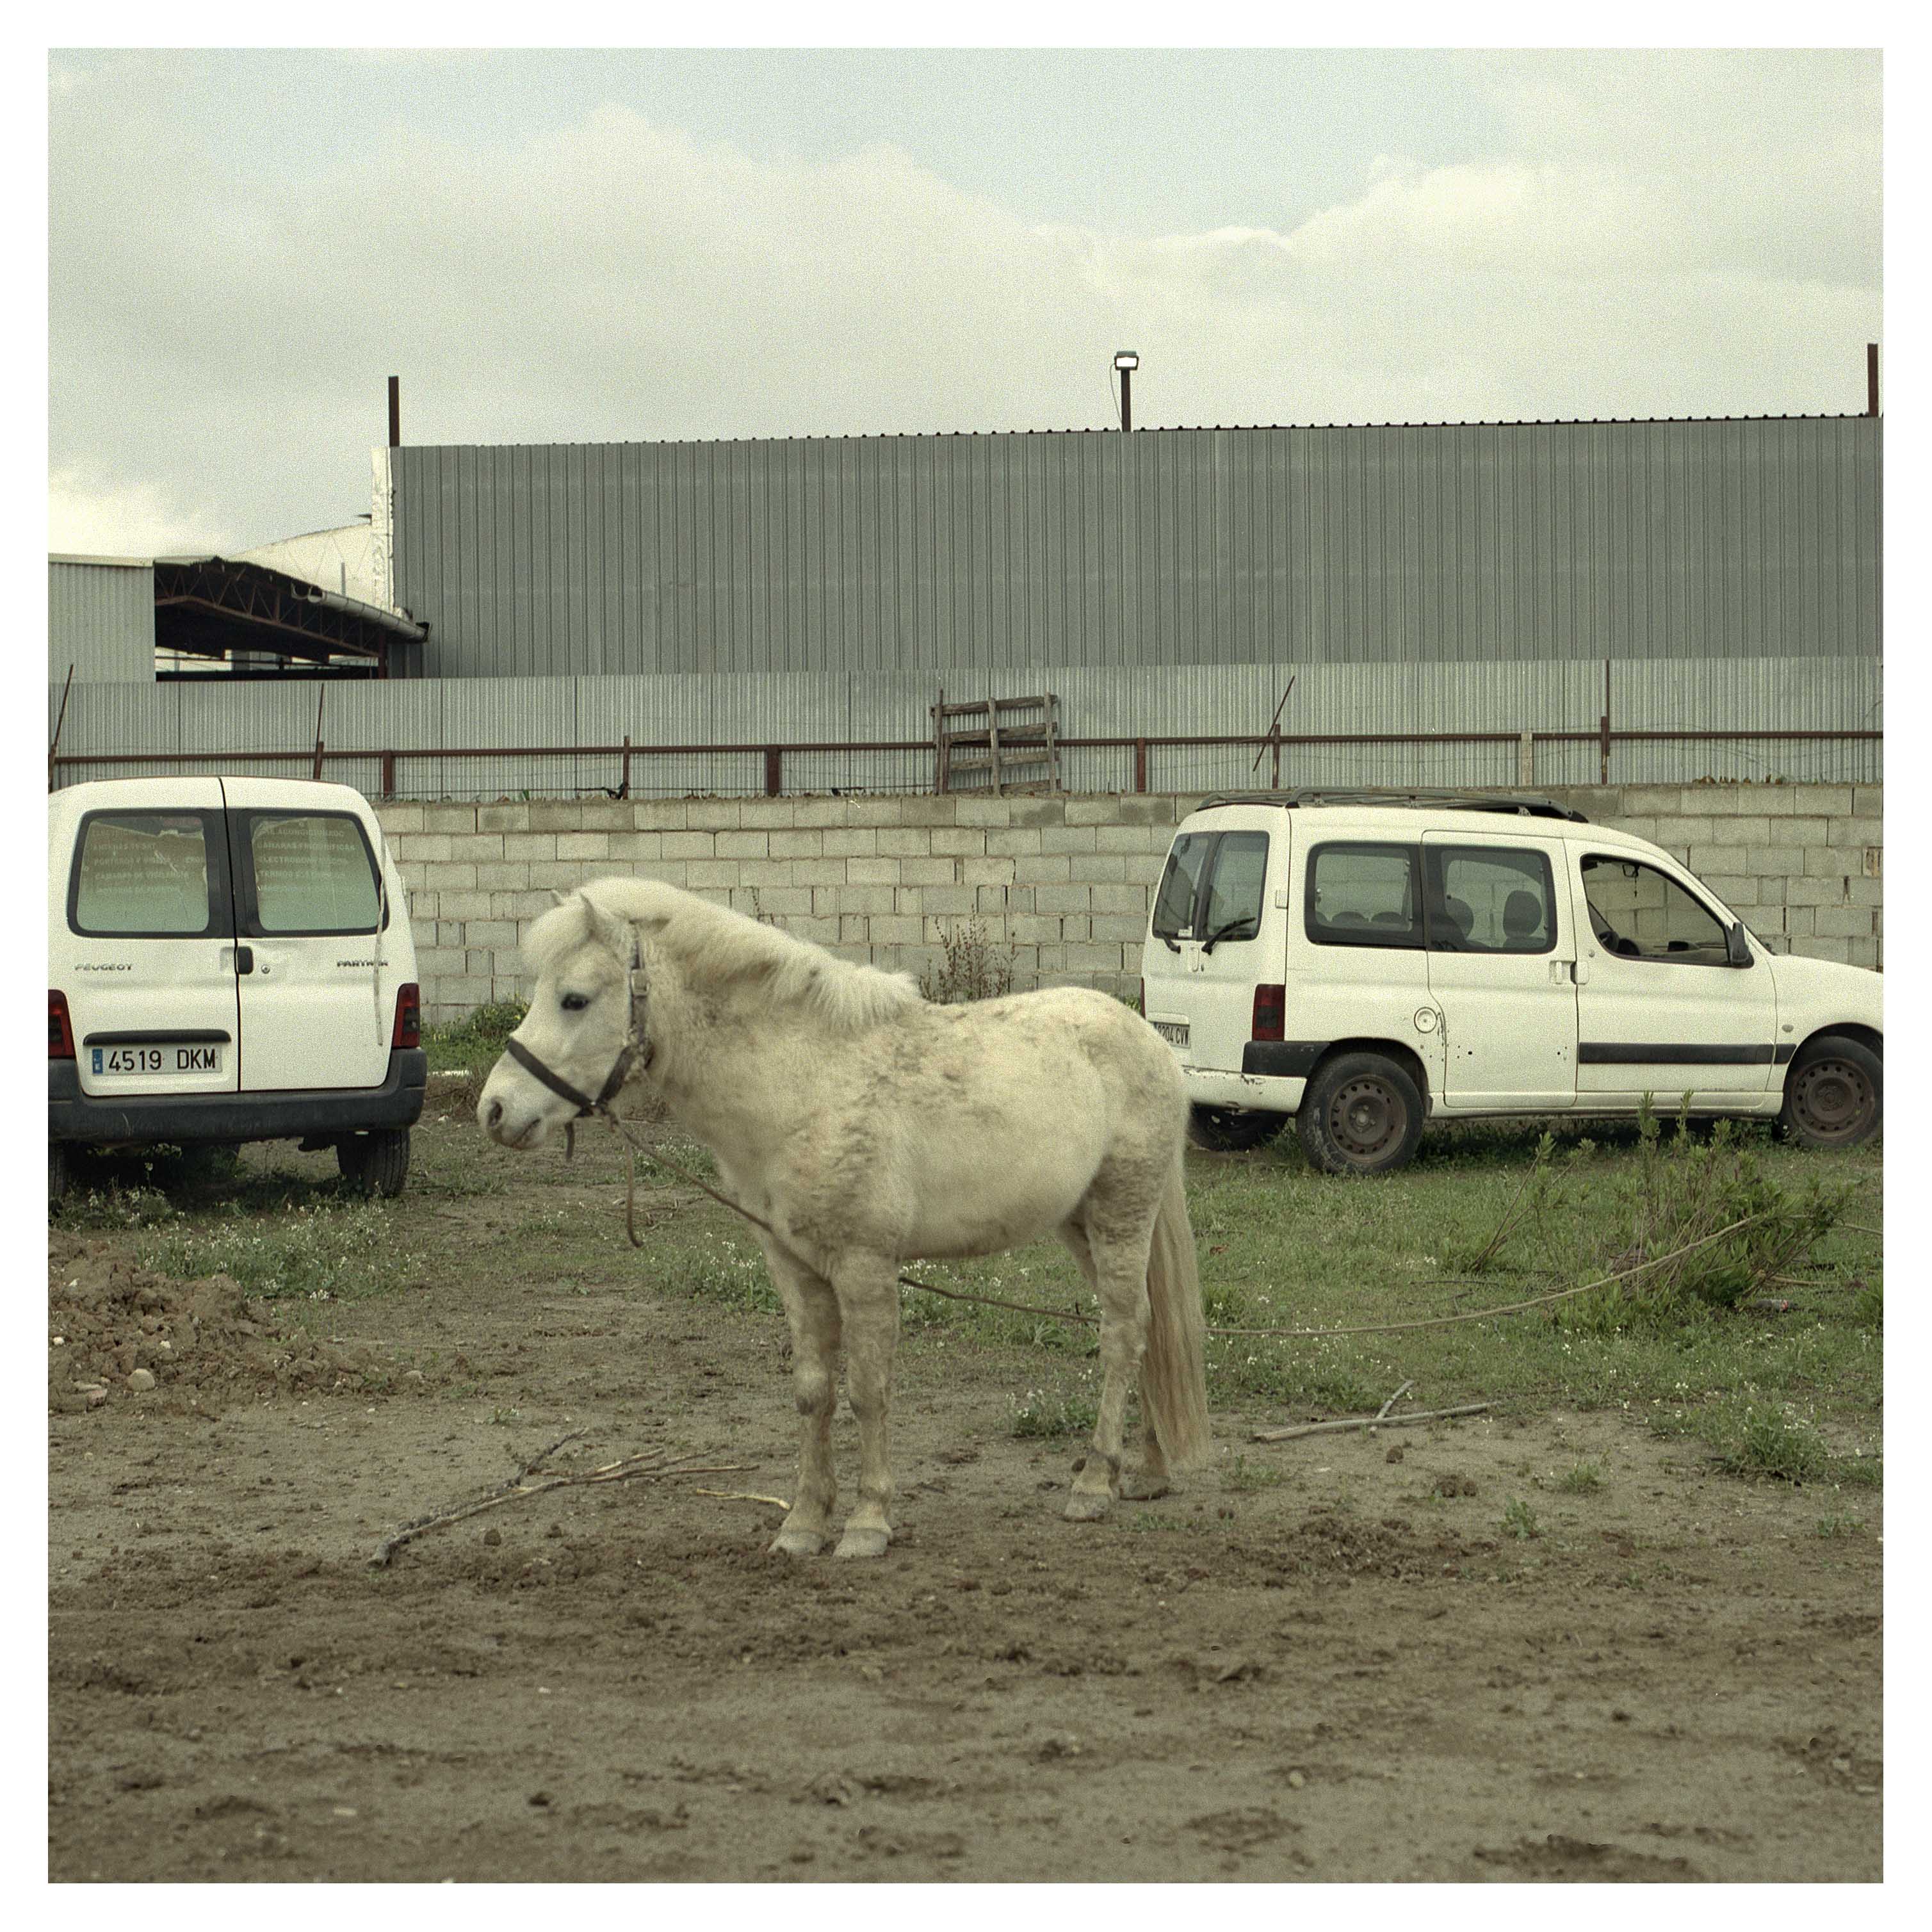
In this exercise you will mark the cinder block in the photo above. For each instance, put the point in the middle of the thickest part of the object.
(1063, 898)
(1776, 861)
(510, 815)
(633, 848)
(462, 818)
(556, 815)
(835, 901)
(1814, 892)
(819, 931)
(947, 902)
(1855, 831)
(1864, 952)
(1822, 801)
(1090, 958)
(782, 903)
(423, 848)
(476, 846)
(1842, 922)
(1075, 925)
(1834, 861)
(820, 871)
(1798, 920)
(916, 809)
(522, 907)
(1043, 869)
(1655, 801)
(871, 872)
(1099, 810)
(792, 844)
(583, 845)
(506, 875)
(712, 874)
(1745, 829)
(1150, 808)
(396, 820)
(1865, 892)
(1018, 842)
(874, 811)
(989, 871)
(766, 874)
(1131, 838)
(1116, 928)
(821, 812)
(860, 841)
(929, 872)
(449, 877)
(1068, 838)
(982, 811)
(994, 902)
(1043, 812)
(491, 932)
(1108, 868)
(855, 928)
(959, 841)
(1033, 929)
(1121, 898)
(714, 814)
(1824, 948)
(659, 814)
(905, 841)
(897, 931)
(687, 844)
(530, 845)
(464, 905)
(1868, 801)
(742, 845)
(770, 814)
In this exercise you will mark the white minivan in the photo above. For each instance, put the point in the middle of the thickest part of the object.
(229, 959)
(1362, 961)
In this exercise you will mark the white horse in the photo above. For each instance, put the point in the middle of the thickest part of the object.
(868, 1129)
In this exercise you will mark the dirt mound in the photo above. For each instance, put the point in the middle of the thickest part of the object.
(117, 1332)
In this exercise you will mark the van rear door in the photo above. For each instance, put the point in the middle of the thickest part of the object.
(317, 1009)
(141, 933)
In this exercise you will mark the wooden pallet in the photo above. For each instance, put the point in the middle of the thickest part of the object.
(997, 745)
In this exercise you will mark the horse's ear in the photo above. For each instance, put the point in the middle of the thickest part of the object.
(560, 897)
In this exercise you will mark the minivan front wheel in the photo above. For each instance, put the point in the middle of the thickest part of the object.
(1834, 1095)
(1362, 1114)
(1232, 1129)
(378, 1161)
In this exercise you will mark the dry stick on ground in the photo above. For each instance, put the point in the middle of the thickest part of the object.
(1366, 1422)
(1394, 1399)
(517, 1487)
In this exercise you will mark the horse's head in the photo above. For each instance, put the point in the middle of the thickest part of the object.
(583, 1028)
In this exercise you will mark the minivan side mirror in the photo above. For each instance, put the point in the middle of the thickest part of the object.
(1736, 945)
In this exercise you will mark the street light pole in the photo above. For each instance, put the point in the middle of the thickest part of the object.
(1127, 362)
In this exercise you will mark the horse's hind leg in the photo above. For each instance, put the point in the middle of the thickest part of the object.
(813, 1311)
(868, 1306)
(1115, 1264)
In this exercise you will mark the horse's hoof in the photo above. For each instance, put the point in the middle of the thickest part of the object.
(1140, 1487)
(790, 1542)
(1087, 1506)
(862, 1543)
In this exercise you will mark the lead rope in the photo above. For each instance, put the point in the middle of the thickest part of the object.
(633, 1148)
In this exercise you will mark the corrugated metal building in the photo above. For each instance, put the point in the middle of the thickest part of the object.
(101, 619)
(1749, 537)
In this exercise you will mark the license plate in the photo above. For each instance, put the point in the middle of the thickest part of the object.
(164, 1059)
(1175, 1032)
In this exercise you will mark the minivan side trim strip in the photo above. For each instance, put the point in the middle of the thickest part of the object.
(160, 1037)
(1685, 1053)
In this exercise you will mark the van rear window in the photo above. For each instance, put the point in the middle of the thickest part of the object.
(142, 874)
(1180, 885)
(309, 872)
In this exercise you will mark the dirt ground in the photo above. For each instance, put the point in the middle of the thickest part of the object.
(1327, 1660)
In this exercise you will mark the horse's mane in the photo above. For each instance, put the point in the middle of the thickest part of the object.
(712, 945)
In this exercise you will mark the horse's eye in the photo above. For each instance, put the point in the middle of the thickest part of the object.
(575, 1003)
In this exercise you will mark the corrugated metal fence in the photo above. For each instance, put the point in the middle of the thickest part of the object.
(1349, 543)
(1436, 723)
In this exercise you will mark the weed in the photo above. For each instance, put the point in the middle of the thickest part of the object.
(1520, 1519)
(1247, 1475)
(1043, 1413)
(1841, 1526)
(969, 967)
(314, 1254)
(1580, 1479)
(136, 1206)
(474, 1043)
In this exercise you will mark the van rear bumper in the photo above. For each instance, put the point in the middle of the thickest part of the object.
(1209, 1086)
(73, 1115)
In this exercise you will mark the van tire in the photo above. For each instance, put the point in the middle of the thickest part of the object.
(377, 1161)
(1834, 1095)
(1362, 1115)
(1231, 1129)
(60, 1172)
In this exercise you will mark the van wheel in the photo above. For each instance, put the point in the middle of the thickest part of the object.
(60, 1171)
(377, 1161)
(1834, 1095)
(1231, 1130)
(1361, 1115)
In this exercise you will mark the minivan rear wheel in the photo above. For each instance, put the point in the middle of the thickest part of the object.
(1362, 1114)
(378, 1161)
(60, 1171)
(1834, 1095)
(1232, 1129)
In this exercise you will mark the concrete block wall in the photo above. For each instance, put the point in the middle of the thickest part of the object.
(1063, 881)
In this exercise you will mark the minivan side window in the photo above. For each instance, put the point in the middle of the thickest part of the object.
(1181, 885)
(146, 875)
(1360, 894)
(1233, 907)
(1639, 912)
(307, 873)
(1483, 899)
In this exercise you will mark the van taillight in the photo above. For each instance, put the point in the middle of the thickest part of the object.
(409, 1016)
(60, 1028)
(1270, 1013)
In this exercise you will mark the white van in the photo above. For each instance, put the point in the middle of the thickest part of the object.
(1362, 962)
(229, 959)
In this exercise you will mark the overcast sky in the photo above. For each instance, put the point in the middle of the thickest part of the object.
(553, 248)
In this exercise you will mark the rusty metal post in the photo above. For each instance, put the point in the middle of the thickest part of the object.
(774, 771)
(388, 774)
(1604, 731)
(1871, 378)
(1140, 764)
(395, 412)
(53, 748)
(321, 693)
(624, 777)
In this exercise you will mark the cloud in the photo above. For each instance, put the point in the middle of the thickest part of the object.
(1702, 241)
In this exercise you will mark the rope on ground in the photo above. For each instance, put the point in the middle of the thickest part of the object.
(1295, 1334)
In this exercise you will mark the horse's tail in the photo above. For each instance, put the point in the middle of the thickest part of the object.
(1174, 1377)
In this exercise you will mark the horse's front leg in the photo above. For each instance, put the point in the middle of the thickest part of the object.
(869, 1307)
(812, 1310)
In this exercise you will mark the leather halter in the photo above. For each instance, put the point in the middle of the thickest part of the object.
(620, 1071)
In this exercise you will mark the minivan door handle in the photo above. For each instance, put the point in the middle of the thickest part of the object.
(244, 959)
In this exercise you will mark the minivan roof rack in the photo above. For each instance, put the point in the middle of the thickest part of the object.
(1522, 805)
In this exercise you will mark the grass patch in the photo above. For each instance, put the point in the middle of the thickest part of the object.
(312, 1254)
(1519, 1520)
(473, 1044)
(1580, 1479)
(1049, 1412)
